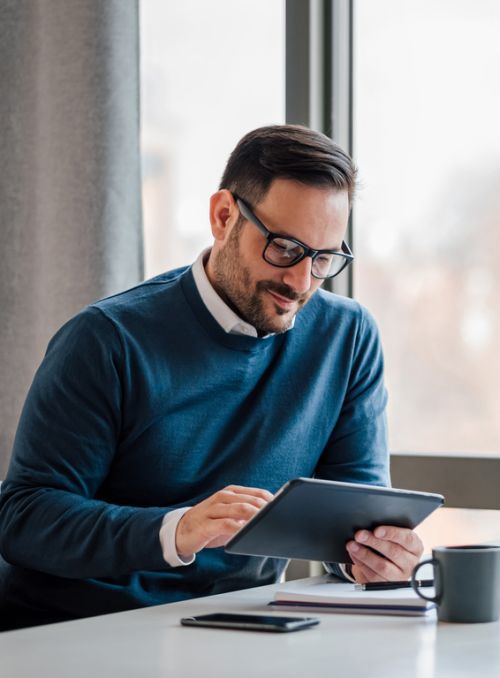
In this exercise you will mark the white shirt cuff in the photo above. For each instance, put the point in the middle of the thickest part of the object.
(343, 569)
(167, 538)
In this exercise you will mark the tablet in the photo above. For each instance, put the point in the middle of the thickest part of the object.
(311, 519)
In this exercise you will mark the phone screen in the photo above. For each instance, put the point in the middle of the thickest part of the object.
(250, 621)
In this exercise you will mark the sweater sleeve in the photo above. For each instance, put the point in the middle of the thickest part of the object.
(357, 451)
(50, 518)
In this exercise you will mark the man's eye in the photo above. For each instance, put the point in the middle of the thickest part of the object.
(285, 247)
(324, 259)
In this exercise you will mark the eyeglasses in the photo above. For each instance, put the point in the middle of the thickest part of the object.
(284, 252)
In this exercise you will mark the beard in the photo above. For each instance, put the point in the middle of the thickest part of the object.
(233, 282)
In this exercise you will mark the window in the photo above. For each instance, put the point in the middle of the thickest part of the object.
(210, 72)
(427, 222)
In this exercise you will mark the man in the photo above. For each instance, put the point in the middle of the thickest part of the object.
(163, 418)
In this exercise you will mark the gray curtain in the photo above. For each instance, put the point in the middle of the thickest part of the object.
(70, 208)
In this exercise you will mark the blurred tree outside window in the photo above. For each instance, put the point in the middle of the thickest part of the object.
(427, 220)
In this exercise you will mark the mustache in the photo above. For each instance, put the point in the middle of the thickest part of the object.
(281, 289)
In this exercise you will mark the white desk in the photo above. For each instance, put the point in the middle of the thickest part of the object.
(150, 643)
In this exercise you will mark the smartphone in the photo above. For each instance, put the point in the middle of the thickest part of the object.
(251, 622)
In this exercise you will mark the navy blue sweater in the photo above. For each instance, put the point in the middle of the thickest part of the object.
(143, 404)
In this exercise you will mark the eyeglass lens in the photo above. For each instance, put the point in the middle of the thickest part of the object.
(284, 252)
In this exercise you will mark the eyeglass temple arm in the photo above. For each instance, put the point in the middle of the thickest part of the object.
(346, 250)
(252, 217)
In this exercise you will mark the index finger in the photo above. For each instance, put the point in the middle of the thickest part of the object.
(403, 536)
(253, 491)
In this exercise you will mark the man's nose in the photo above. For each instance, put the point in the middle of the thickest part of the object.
(298, 277)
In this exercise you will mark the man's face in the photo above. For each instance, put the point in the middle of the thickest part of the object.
(265, 296)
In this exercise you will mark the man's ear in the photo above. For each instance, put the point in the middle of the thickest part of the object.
(223, 213)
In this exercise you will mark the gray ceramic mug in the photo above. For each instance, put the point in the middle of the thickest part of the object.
(467, 582)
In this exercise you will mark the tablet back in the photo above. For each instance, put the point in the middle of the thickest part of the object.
(312, 519)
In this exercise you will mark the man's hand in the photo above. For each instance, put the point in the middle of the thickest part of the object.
(212, 522)
(401, 550)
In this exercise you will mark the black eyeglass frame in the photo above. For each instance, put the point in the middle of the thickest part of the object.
(346, 253)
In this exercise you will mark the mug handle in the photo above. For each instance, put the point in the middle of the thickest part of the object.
(414, 583)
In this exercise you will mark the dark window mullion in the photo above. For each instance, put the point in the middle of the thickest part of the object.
(319, 88)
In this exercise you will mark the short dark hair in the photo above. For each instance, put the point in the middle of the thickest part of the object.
(286, 152)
